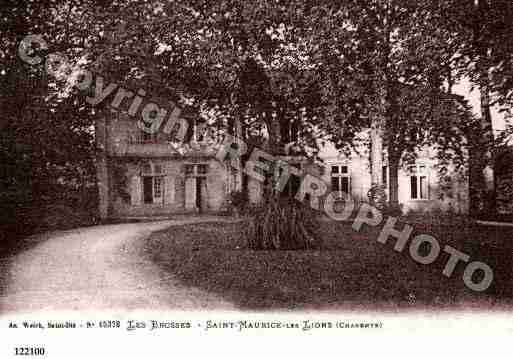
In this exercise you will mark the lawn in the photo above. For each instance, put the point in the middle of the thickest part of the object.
(352, 271)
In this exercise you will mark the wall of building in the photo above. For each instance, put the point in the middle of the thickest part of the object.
(446, 194)
(443, 195)
(126, 194)
(125, 154)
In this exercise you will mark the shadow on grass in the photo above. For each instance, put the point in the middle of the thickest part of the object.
(352, 271)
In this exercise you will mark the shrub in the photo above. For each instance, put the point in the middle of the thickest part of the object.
(378, 196)
(392, 210)
(238, 202)
(436, 217)
(282, 224)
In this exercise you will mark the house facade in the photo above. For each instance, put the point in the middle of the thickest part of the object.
(141, 175)
(421, 188)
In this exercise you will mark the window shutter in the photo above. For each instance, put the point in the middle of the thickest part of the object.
(135, 191)
(190, 193)
(413, 186)
(169, 191)
(179, 190)
(204, 195)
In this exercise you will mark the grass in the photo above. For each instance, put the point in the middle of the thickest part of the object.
(351, 271)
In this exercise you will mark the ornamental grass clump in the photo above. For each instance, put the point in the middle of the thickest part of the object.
(282, 224)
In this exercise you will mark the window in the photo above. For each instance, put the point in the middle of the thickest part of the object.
(147, 169)
(196, 169)
(200, 128)
(152, 189)
(419, 184)
(153, 181)
(148, 137)
(202, 169)
(339, 169)
(175, 132)
(157, 187)
(189, 169)
(340, 179)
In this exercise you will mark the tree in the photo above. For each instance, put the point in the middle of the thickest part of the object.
(47, 142)
(361, 55)
(399, 60)
(280, 74)
(240, 59)
(483, 29)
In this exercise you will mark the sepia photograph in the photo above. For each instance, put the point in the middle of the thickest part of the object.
(266, 166)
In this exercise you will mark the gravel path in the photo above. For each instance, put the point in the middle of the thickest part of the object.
(99, 268)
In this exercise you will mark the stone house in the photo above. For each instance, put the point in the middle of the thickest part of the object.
(143, 175)
(420, 189)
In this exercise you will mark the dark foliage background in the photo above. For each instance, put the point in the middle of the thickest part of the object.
(47, 178)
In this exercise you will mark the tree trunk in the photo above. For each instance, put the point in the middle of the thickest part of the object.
(481, 173)
(274, 148)
(239, 174)
(487, 134)
(476, 180)
(102, 175)
(274, 129)
(377, 193)
(376, 159)
(393, 185)
(377, 130)
(481, 179)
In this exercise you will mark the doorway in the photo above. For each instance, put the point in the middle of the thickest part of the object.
(148, 189)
